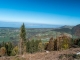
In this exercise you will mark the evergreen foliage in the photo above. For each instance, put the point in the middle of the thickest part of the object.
(22, 39)
(33, 46)
(9, 48)
(23, 33)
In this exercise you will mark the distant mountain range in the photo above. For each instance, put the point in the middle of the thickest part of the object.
(67, 26)
(28, 25)
(76, 30)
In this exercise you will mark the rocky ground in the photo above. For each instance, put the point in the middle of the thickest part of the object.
(53, 55)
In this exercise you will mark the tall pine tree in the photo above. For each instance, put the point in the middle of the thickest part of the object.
(22, 39)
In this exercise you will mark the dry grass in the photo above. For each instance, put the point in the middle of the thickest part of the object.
(53, 55)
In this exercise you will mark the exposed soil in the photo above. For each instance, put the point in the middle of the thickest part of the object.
(53, 55)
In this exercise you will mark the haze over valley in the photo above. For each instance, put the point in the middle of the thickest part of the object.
(39, 30)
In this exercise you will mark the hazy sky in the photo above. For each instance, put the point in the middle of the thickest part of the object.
(61, 12)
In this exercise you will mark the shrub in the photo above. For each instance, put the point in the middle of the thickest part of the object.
(14, 51)
(3, 51)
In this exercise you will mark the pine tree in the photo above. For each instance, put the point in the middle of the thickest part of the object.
(33, 46)
(22, 39)
(9, 48)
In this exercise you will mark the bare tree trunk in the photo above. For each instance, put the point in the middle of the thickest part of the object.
(19, 45)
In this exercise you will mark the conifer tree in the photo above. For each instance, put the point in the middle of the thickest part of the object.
(9, 48)
(22, 38)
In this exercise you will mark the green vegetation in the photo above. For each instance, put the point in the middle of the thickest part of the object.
(22, 39)
(9, 34)
(7, 49)
(34, 46)
(14, 51)
(38, 40)
(12, 34)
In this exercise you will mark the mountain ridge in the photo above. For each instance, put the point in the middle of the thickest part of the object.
(76, 30)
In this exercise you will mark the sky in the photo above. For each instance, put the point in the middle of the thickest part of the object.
(56, 12)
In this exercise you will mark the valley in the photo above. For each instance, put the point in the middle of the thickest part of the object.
(44, 34)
